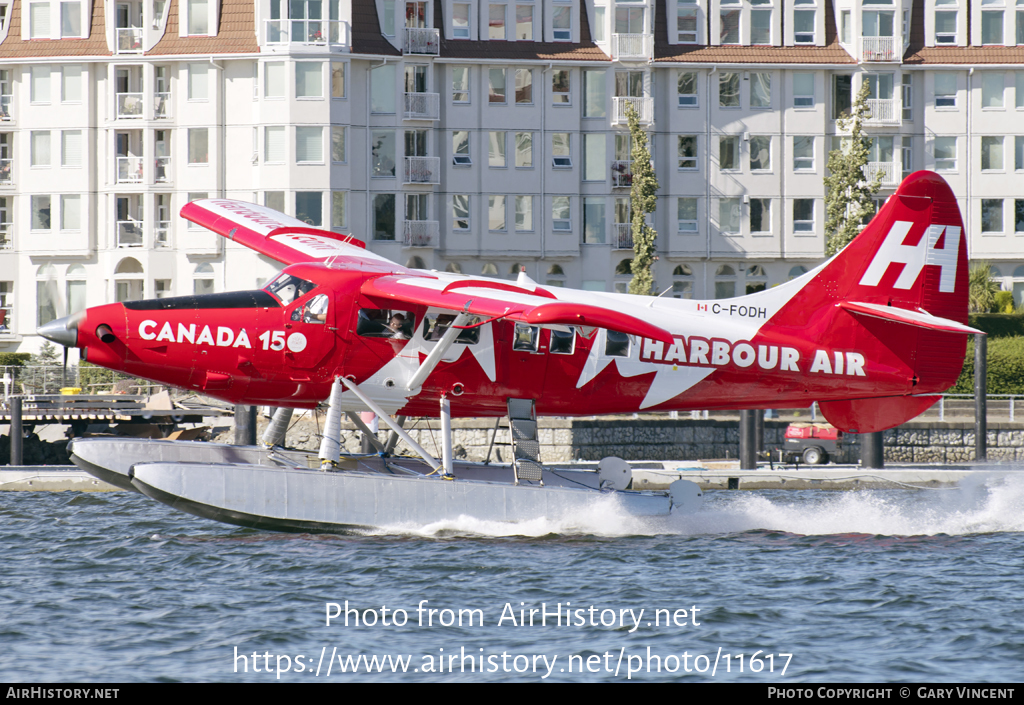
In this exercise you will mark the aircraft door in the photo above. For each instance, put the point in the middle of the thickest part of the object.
(527, 355)
(309, 331)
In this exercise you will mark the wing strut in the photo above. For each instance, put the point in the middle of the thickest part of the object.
(440, 349)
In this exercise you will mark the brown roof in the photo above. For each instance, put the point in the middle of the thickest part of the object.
(236, 32)
(918, 53)
(585, 50)
(831, 53)
(16, 47)
(366, 35)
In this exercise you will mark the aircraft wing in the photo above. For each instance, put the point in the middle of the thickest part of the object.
(494, 299)
(279, 236)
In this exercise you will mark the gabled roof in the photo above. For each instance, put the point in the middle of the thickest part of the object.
(15, 47)
(236, 32)
(918, 54)
(831, 53)
(366, 35)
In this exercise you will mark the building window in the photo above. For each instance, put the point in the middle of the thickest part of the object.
(1019, 84)
(496, 86)
(686, 24)
(198, 18)
(524, 150)
(496, 151)
(756, 279)
(803, 90)
(803, 153)
(382, 153)
(75, 289)
(600, 23)
(197, 82)
(338, 144)
(460, 212)
(686, 87)
(309, 145)
(337, 80)
(71, 19)
(71, 84)
(1018, 225)
(803, 215)
(40, 212)
(561, 23)
(273, 79)
(945, 153)
(760, 26)
(728, 153)
(460, 21)
(992, 27)
(803, 26)
(992, 89)
(309, 207)
(908, 97)
(384, 216)
(561, 218)
(71, 148)
(460, 84)
(40, 88)
(945, 27)
(594, 226)
(760, 90)
(687, 152)
(594, 98)
(496, 213)
(760, 153)
(729, 89)
(729, 215)
(991, 215)
(945, 90)
(202, 279)
(39, 21)
(496, 22)
(560, 94)
(725, 282)
(198, 145)
(41, 148)
(560, 157)
(842, 95)
(991, 153)
(760, 215)
(46, 294)
(524, 214)
(1018, 153)
(309, 82)
(730, 27)
(686, 213)
(595, 157)
(339, 210)
(382, 89)
(274, 149)
(524, 86)
(271, 199)
(460, 148)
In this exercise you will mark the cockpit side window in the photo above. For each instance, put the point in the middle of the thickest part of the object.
(287, 288)
(315, 310)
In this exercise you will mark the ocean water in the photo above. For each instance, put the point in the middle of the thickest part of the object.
(768, 586)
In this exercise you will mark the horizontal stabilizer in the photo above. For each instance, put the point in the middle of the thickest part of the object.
(870, 415)
(919, 319)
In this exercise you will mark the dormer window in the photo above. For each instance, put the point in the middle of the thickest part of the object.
(198, 18)
(460, 21)
(992, 22)
(71, 20)
(39, 20)
(803, 22)
(561, 24)
(945, 23)
(686, 24)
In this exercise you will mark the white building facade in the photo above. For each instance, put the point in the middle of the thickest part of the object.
(482, 137)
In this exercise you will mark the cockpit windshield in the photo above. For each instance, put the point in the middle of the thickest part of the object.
(288, 287)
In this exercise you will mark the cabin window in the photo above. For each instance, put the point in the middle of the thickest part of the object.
(435, 325)
(385, 323)
(526, 338)
(563, 342)
(616, 344)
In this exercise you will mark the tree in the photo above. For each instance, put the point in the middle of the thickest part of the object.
(848, 194)
(981, 288)
(642, 200)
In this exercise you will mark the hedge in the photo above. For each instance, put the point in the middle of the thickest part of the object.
(998, 325)
(1005, 367)
(13, 359)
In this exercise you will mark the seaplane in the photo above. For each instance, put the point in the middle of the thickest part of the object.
(873, 335)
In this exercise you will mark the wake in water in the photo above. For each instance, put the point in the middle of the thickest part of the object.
(983, 503)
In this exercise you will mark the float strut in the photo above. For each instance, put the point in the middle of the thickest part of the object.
(274, 435)
(446, 437)
(330, 443)
(393, 437)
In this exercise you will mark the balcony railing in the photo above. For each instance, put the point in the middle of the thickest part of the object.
(163, 170)
(129, 106)
(6, 103)
(623, 236)
(129, 40)
(422, 40)
(163, 233)
(622, 173)
(884, 111)
(422, 170)
(881, 49)
(6, 236)
(307, 32)
(643, 106)
(6, 171)
(632, 47)
(891, 173)
(161, 105)
(421, 233)
(422, 106)
(129, 233)
(129, 170)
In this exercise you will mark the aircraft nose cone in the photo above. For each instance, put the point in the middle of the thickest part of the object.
(63, 330)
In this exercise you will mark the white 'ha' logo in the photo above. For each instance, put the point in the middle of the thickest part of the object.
(915, 257)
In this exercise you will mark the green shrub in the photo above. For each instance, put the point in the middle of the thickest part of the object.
(998, 325)
(1004, 302)
(12, 359)
(1005, 367)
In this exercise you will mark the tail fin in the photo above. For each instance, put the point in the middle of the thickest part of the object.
(899, 293)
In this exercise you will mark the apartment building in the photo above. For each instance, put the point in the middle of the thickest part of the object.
(482, 137)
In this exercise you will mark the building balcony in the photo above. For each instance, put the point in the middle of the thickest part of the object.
(6, 236)
(891, 173)
(622, 173)
(884, 49)
(421, 233)
(6, 103)
(632, 47)
(319, 33)
(644, 108)
(422, 40)
(884, 111)
(422, 170)
(6, 172)
(623, 236)
(161, 105)
(129, 106)
(129, 233)
(422, 106)
(162, 174)
(129, 170)
(129, 40)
